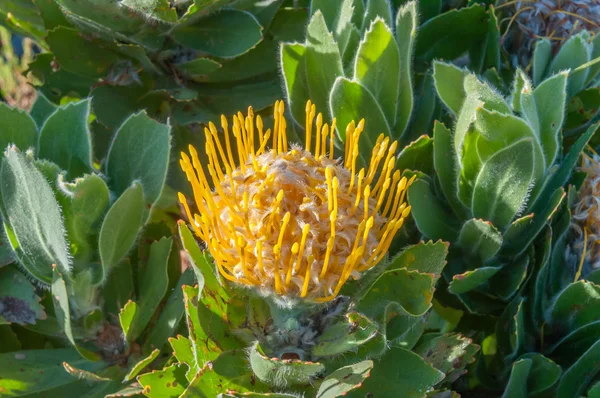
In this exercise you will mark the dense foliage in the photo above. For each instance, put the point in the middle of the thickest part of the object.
(401, 198)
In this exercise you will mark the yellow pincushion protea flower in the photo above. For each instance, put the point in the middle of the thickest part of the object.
(291, 220)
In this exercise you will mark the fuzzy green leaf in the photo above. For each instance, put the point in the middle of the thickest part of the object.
(228, 34)
(406, 31)
(32, 218)
(377, 67)
(503, 183)
(294, 74)
(541, 59)
(16, 127)
(550, 98)
(480, 239)
(62, 311)
(41, 109)
(501, 130)
(321, 50)
(431, 218)
(446, 167)
(350, 101)
(345, 379)
(127, 162)
(417, 155)
(377, 9)
(121, 226)
(65, 139)
(574, 52)
(449, 83)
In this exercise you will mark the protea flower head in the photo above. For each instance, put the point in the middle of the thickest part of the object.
(529, 20)
(584, 251)
(289, 220)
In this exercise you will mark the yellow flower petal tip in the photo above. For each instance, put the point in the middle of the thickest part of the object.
(293, 220)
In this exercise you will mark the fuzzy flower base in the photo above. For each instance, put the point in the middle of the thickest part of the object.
(289, 220)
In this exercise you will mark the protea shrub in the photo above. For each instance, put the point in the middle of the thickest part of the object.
(298, 292)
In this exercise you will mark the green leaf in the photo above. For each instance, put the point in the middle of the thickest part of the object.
(480, 239)
(541, 58)
(198, 68)
(169, 320)
(411, 289)
(289, 372)
(430, 217)
(127, 162)
(121, 227)
(16, 127)
(544, 373)
(81, 54)
(228, 34)
(65, 139)
(32, 372)
(153, 285)
(568, 349)
(229, 372)
(406, 31)
(350, 101)
(577, 305)
(574, 52)
(127, 318)
(377, 67)
(32, 218)
(153, 9)
(169, 382)
(138, 367)
(517, 383)
(417, 155)
(62, 311)
(344, 379)
(448, 353)
(550, 98)
(501, 130)
(503, 183)
(508, 281)
(86, 202)
(18, 302)
(446, 167)
(293, 68)
(377, 9)
(399, 373)
(449, 83)
(321, 50)
(578, 377)
(520, 83)
(344, 336)
(463, 283)
(41, 109)
(450, 34)
(328, 8)
(582, 108)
